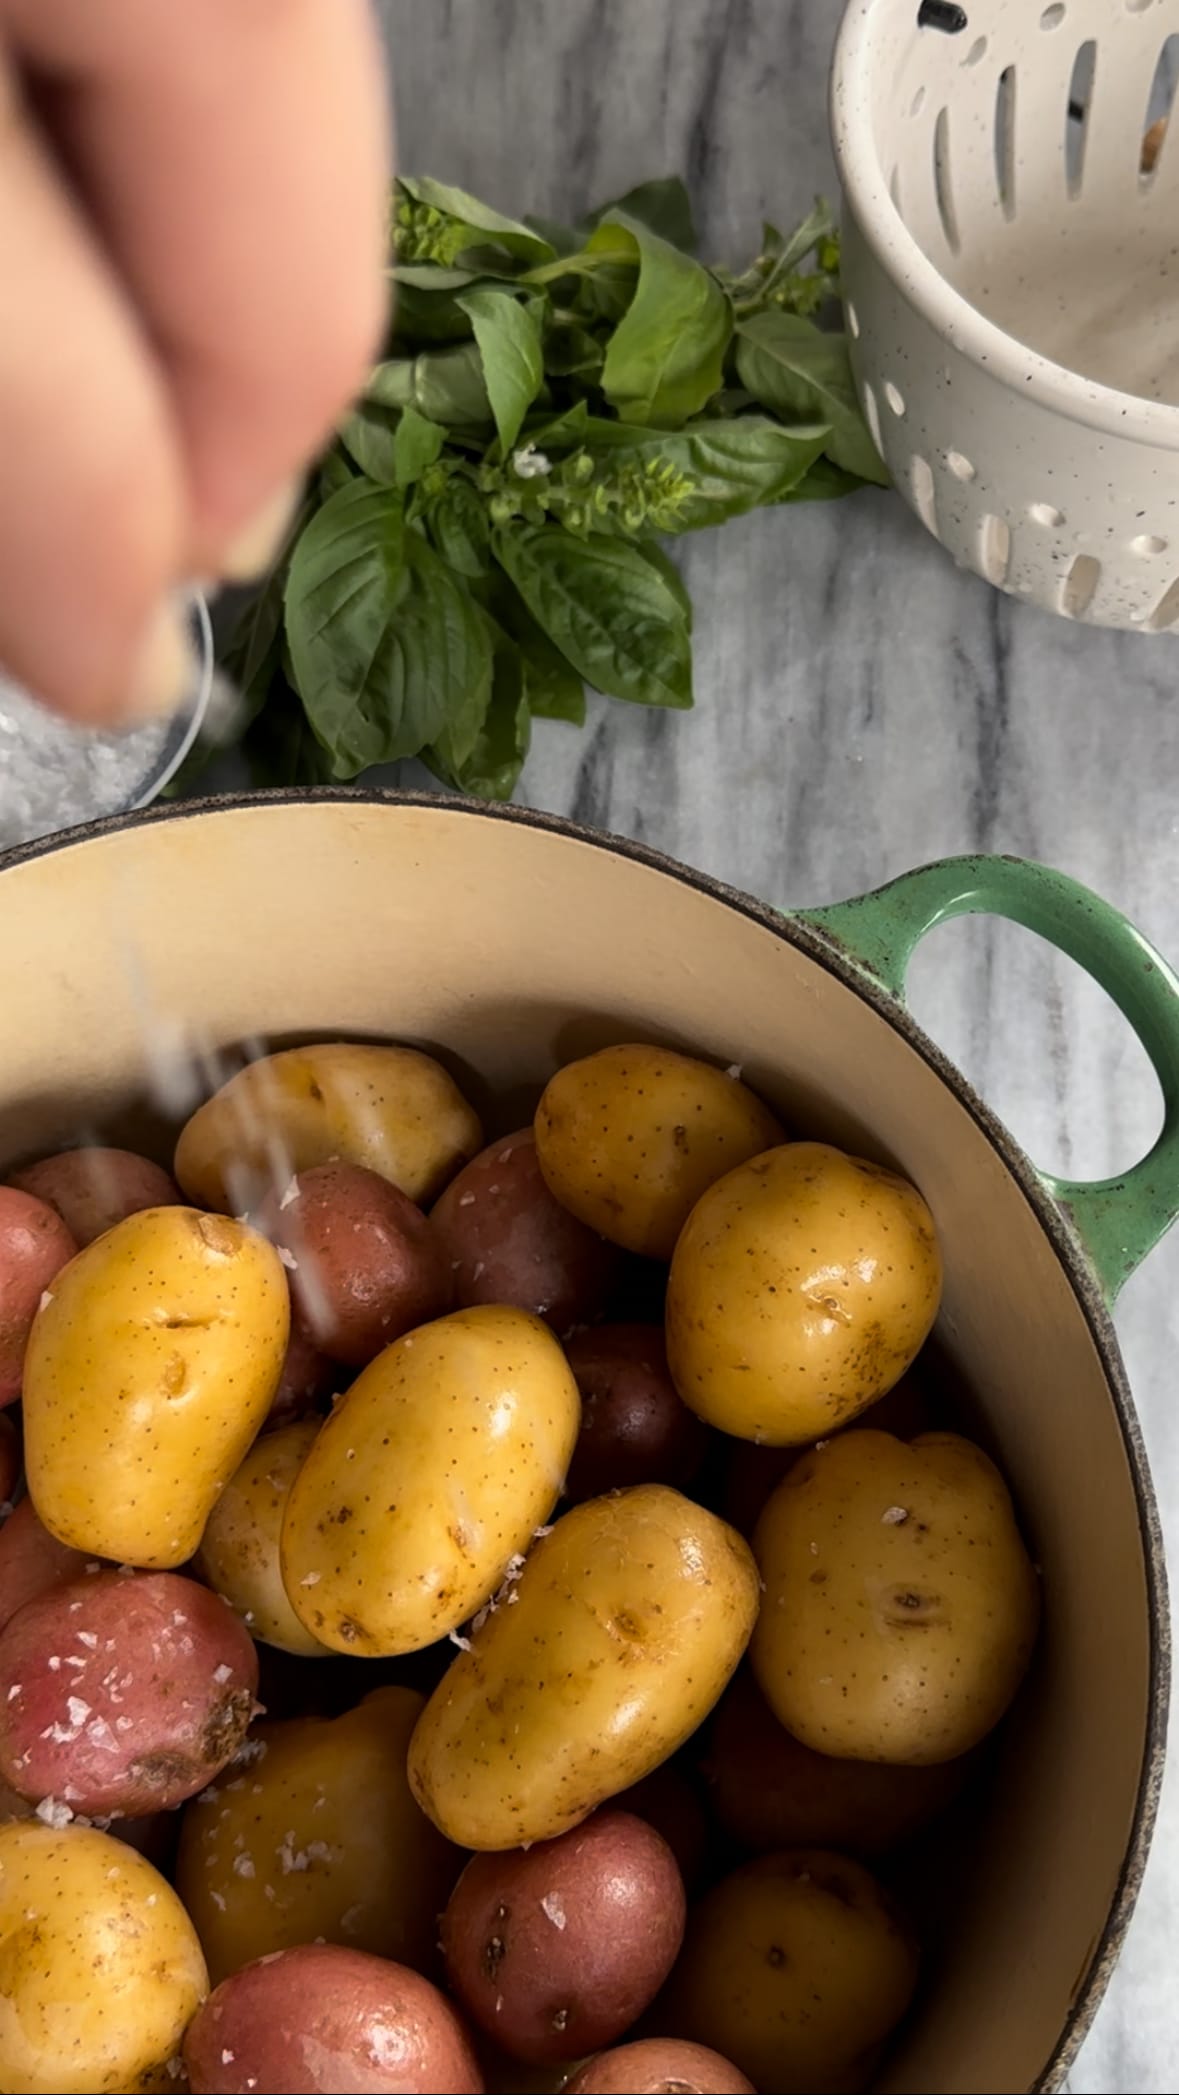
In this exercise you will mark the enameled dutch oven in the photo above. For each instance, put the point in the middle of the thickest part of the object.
(511, 942)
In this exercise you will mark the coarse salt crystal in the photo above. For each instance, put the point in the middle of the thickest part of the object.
(288, 1258)
(292, 1193)
(88, 1638)
(227, 2058)
(466, 1200)
(14, 1691)
(242, 1866)
(53, 1813)
(45, 1301)
(734, 1071)
(311, 1578)
(894, 1516)
(221, 1674)
(464, 1643)
(553, 1910)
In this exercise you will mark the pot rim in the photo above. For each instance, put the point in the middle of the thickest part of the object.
(795, 931)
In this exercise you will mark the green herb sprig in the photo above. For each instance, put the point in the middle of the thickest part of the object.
(481, 540)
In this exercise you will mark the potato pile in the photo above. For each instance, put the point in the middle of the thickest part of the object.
(479, 1616)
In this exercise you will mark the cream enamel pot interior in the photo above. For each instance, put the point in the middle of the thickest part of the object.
(511, 942)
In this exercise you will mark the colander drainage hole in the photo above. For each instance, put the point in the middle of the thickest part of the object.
(943, 187)
(895, 399)
(872, 415)
(1159, 106)
(1148, 545)
(961, 467)
(853, 321)
(1046, 513)
(1005, 140)
(1053, 16)
(1165, 613)
(1076, 125)
(1080, 585)
(994, 549)
(921, 482)
(977, 51)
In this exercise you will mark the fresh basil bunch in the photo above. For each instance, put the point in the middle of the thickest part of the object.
(481, 540)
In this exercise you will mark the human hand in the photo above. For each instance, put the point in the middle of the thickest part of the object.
(192, 253)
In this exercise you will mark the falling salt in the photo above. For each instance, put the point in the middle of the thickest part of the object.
(464, 1643)
(54, 775)
(288, 1259)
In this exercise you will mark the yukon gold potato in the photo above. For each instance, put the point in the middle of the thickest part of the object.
(900, 1605)
(432, 1473)
(796, 1967)
(148, 1373)
(239, 1552)
(628, 1139)
(100, 1967)
(628, 1620)
(319, 1835)
(322, 2018)
(391, 1109)
(803, 1286)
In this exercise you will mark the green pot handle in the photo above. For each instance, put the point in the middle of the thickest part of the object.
(1118, 1220)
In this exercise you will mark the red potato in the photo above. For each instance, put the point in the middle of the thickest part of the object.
(365, 1264)
(635, 1429)
(9, 1459)
(123, 1693)
(659, 2066)
(308, 1376)
(324, 2018)
(32, 1561)
(555, 1949)
(34, 1246)
(770, 1791)
(509, 1241)
(92, 1189)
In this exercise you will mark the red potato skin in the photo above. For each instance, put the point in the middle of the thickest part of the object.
(34, 1246)
(92, 1189)
(110, 1699)
(9, 1459)
(769, 1791)
(368, 1263)
(659, 2066)
(307, 1378)
(508, 1241)
(325, 2018)
(32, 1561)
(635, 1428)
(555, 1950)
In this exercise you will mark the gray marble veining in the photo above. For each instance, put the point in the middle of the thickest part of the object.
(861, 705)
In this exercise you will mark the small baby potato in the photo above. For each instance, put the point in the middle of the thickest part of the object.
(508, 1240)
(123, 1694)
(34, 1246)
(770, 1791)
(321, 2018)
(93, 1188)
(318, 1835)
(796, 1967)
(634, 1428)
(629, 1619)
(364, 1262)
(33, 1561)
(659, 2066)
(390, 1109)
(628, 1140)
(307, 1377)
(239, 1552)
(556, 1950)
(432, 1473)
(149, 1370)
(9, 1459)
(802, 1288)
(901, 1606)
(102, 1970)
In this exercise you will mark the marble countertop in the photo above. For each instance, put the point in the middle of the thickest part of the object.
(861, 705)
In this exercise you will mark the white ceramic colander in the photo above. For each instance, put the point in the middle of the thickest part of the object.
(1011, 275)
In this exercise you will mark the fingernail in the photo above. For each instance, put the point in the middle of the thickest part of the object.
(260, 541)
(166, 671)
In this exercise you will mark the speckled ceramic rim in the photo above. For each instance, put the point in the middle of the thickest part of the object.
(796, 932)
(853, 81)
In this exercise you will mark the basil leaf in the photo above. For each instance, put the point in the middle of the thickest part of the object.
(253, 657)
(562, 432)
(824, 482)
(804, 375)
(663, 206)
(726, 468)
(571, 350)
(555, 690)
(563, 239)
(607, 610)
(509, 343)
(445, 385)
(335, 471)
(458, 526)
(491, 767)
(416, 445)
(369, 436)
(468, 215)
(666, 356)
(387, 648)
(655, 557)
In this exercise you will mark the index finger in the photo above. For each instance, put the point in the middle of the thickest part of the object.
(236, 158)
